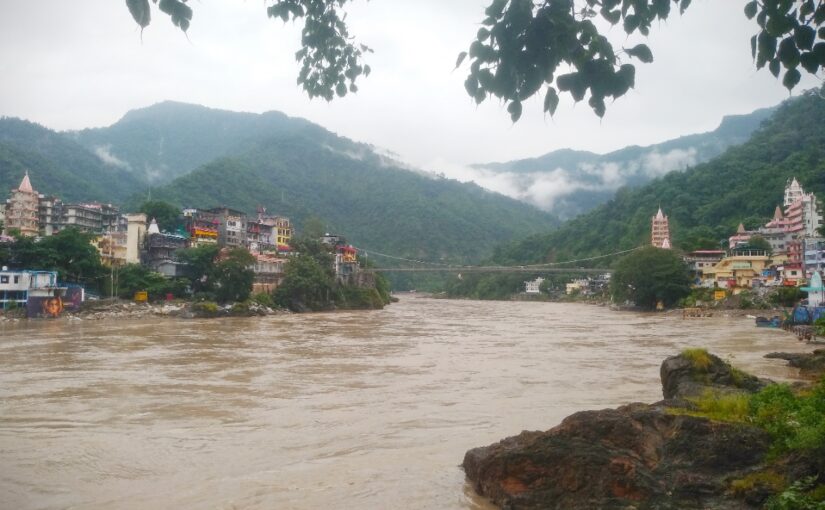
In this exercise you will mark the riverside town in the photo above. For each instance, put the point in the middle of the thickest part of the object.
(135, 243)
(290, 254)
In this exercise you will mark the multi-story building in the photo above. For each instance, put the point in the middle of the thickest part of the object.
(202, 227)
(740, 238)
(161, 247)
(135, 237)
(113, 248)
(21, 209)
(660, 231)
(231, 226)
(774, 232)
(739, 269)
(700, 260)
(269, 272)
(533, 286)
(813, 249)
(281, 228)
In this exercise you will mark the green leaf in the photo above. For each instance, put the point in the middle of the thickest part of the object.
(683, 6)
(804, 37)
(551, 101)
(753, 46)
(819, 51)
(774, 67)
(597, 103)
(460, 59)
(750, 9)
(612, 17)
(642, 52)
(139, 9)
(788, 53)
(341, 89)
(791, 78)
(809, 62)
(482, 34)
(514, 108)
(631, 23)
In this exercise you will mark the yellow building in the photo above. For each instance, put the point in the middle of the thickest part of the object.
(112, 248)
(739, 269)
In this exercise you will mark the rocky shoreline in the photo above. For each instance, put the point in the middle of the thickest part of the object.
(664, 455)
(128, 310)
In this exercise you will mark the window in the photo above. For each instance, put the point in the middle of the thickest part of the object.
(4, 279)
(16, 279)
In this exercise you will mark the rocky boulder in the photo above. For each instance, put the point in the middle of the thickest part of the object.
(634, 457)
(809, 364)
(696, 371)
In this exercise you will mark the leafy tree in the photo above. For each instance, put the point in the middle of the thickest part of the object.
(232, 275)
(522, 44)
(200, 262)
(166, 214)
(758, 242)
(314, 227)
(650, 275)
(307, 284)
(69, 252)
(134, 277)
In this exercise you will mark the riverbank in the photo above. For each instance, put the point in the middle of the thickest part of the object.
(721, 438)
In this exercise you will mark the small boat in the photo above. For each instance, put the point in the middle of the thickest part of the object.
(773, 322)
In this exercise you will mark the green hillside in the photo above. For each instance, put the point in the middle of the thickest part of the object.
(356, 193)
(591, 179)
(58, 165)
(170, 139)
(705, 203)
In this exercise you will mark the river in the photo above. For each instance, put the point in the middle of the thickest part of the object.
(367, 410)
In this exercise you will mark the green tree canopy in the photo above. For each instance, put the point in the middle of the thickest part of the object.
(200, 262)
(69, 252)
(523, 44)
(758, 242)
(232, 276)
(650, 275)
(167, 215)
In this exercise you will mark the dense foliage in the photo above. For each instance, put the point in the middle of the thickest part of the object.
(167, 215)
(649, 276)
(133, 278)
(58, 165)
(232, 277)
(522, 44)
(69, 252)
(706, 203)
(310, 284)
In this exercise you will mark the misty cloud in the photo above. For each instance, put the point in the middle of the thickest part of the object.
(105, 155)
(553, 189)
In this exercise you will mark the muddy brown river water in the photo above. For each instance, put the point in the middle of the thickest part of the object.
(368, 410)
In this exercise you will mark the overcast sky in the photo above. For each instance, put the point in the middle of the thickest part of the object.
(82, 63)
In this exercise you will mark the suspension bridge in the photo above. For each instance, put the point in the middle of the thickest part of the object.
(422, 266)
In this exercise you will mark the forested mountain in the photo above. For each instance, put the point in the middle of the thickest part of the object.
(705, 203)
(356, 193)
(170, 139)
(568, 183)
(58, 165)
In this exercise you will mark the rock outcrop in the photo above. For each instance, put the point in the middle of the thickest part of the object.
(695, 371)
(809, 364)
(637, 456)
